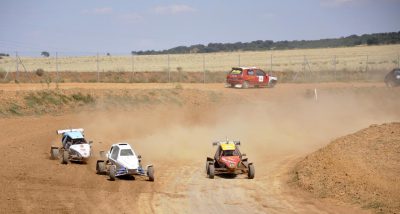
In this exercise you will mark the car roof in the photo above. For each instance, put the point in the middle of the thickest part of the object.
(227, 145)
(122, 145)
(244, 68)
(74, 134)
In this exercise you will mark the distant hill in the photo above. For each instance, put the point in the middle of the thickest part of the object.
(260, 45)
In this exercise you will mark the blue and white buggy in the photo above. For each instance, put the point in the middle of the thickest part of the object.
(120, 161)
(74, 147)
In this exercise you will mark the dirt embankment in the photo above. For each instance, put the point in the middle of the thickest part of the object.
(173, 128)
(362, 168)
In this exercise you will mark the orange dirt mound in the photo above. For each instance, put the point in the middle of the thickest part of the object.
(362, 168)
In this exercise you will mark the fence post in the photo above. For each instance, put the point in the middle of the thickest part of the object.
(270, 65)
(97, 65)
(133, 66)
(169, 70)
(17, 69)
(57, 77)
(204, 69)
(366, 69)
(334, 66)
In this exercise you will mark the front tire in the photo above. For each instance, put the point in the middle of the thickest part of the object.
(251, 171)
(150, 173)
(64, 157)
(211, 171)
(113, 171)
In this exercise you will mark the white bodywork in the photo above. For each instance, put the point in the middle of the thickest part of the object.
(83, 150)
(126, 164)
(62, 131)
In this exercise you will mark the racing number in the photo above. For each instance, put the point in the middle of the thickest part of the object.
(260, 78)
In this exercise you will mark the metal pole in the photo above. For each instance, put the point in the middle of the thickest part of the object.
(169, 72)
(57, 68)
(239, 60)
(97, 63)
(270, 65)
(17, 70)
(133, 67)
(398, 60)
(204, 69)
(366, 68)
(334, 66)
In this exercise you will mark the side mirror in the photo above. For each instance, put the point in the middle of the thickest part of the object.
(215, 143)
(237, 143)
(244, 154)
(139, 156)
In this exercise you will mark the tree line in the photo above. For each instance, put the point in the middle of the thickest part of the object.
(263, 45)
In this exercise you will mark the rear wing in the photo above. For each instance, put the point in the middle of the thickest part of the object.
(216, 143)
(62, 131)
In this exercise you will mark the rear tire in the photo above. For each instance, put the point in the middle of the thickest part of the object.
(100, 168)
(64, 157)
(53, 153)
(211, 171)
(245, 84)
(271, 84)
(150, 173)
(251, 171)
(113, 171)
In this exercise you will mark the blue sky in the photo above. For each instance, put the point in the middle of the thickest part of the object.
(120, 26)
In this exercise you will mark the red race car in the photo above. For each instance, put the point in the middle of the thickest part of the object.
(229, 160)
(245, 77)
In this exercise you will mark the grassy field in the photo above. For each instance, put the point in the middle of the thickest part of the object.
(363, 58)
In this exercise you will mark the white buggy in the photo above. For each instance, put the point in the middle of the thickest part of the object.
(120, 161)
(74, 147)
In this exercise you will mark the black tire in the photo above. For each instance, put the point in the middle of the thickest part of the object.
(113, 171)
(390, 83)
(53, 153)
(150, 173)
(64, 157)
(211, 171)
(100, 167)
(271, 84)
(245, 84)
(207, 164)
(251, 171)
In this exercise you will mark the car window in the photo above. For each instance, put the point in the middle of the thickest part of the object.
(260, 73)
(250, 72)
(236, 71)
(114, 154)
(228, 153)
(126, 152)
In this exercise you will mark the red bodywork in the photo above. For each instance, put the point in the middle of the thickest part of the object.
(254, 77)
(231, 162)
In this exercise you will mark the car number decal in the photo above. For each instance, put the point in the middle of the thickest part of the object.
(260, 78)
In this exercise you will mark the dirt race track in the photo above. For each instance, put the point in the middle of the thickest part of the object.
(277, 127)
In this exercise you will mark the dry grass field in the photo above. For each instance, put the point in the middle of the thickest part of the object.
(363, 58)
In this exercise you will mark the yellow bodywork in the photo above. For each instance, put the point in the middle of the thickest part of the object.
(228, 146)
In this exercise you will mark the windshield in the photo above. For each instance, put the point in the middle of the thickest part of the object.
(236, 71)
(126, 152)
(78, 141)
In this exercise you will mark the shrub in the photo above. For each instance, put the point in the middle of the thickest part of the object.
(39, 72)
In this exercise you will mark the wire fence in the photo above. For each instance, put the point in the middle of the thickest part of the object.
(298, 63)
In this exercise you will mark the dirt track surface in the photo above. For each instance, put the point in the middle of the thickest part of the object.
(277, 128)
